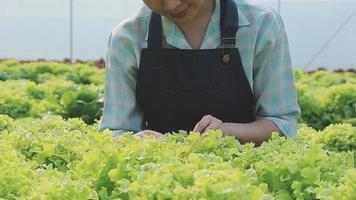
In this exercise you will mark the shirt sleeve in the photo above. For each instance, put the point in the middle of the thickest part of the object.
(120, 110)
(274, 87)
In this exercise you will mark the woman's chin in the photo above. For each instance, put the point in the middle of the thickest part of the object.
(184, 20)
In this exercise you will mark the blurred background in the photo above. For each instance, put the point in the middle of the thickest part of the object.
(322, 33)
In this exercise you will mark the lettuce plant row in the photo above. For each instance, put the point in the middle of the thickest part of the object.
(53, 158)
(50, 147)
(38, 89)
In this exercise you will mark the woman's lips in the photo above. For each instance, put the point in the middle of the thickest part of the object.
(180, 14)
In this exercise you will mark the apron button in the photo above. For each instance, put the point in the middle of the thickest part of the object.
(226, 58)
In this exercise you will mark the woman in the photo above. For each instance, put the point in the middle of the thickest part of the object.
(198, 65)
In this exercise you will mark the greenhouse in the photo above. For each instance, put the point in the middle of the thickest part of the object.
(178, 99)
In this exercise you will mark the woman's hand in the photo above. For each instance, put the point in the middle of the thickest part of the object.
(208, 122)
(257, 131)
(149, 132)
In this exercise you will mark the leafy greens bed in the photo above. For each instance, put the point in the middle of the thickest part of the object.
(50, 147)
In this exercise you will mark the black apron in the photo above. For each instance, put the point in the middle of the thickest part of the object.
(177, 87)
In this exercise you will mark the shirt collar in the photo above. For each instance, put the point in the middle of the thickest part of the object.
(173, 35)
(243, 21)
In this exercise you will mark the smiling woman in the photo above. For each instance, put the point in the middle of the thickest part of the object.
(199, 65)
(181, 11)
(191, 16)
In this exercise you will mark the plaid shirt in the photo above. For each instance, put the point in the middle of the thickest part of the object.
(264, 50)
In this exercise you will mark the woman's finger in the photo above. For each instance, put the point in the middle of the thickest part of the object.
(214, 125)
(156, 134)
(149, 132)
(140, 134)
(203, 123)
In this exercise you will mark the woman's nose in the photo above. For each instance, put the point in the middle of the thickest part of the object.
(171, 5)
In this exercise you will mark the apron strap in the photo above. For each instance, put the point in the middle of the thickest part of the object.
(228, 26)
(155, 32)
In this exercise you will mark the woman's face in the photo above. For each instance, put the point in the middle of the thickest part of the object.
(179, 11)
